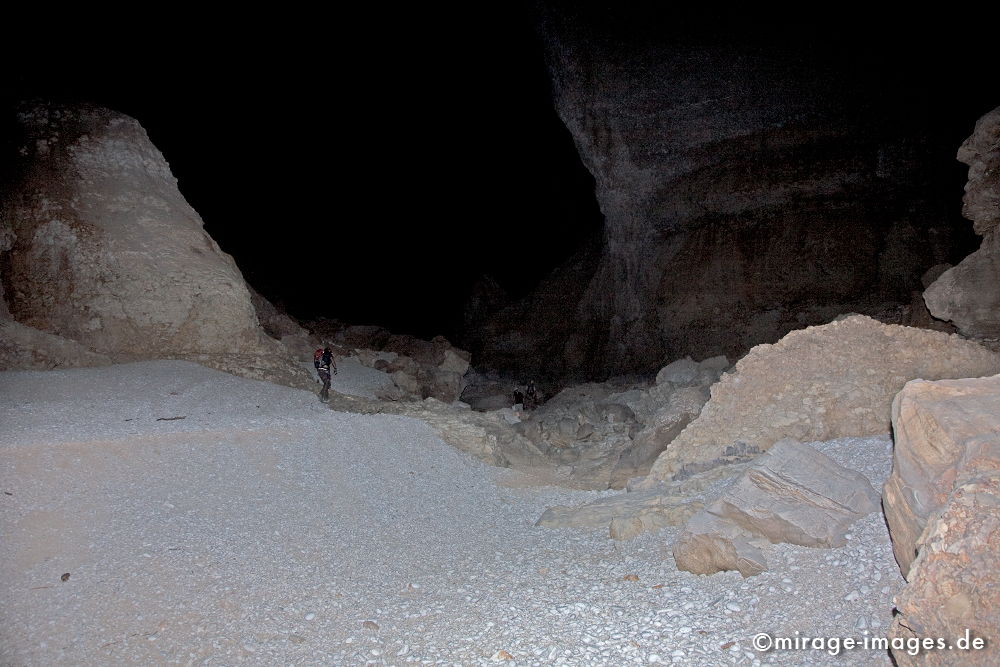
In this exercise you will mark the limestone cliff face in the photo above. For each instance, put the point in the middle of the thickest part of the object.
(744, 195)
(99, 247)
(106, 251)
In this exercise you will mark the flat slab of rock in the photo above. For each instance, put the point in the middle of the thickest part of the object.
(792, 494)
(626, 515)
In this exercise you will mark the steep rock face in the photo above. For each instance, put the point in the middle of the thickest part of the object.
(743, 197)
(100, 248)
(107, 252)
(968, 295)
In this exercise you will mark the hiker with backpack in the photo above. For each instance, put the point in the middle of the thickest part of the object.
(325, 365)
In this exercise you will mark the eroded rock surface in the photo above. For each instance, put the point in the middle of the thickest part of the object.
(944, 431)
(817, 384)
(100, 248)
(942, 504)
(968, 295)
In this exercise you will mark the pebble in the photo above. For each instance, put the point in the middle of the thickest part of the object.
(310, 616)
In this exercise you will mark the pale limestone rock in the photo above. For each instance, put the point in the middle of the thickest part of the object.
(23, 347)
(682, 371)
(625, 515)
(968, 295)
(709, 545)
(816, 384)
(793, 494)
(955, 580)
(944, 431)
(454, 363)
(99, 247)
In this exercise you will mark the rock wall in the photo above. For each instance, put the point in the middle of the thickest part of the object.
(817, 384)
(100, 248)
(968, 295)
(746, 193)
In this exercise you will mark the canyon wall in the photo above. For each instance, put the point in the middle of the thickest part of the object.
(747, 190)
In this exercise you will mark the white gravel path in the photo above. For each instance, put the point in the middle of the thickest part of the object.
(355, 379)
(266, 529)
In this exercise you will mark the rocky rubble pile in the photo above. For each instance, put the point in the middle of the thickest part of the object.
(606, 435)
(816, 384)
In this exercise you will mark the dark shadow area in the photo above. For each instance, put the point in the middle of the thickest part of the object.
(372, 168)
(371, 173)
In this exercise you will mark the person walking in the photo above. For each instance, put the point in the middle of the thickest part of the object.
(325, 366)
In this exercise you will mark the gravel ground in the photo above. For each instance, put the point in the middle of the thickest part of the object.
(266, 529)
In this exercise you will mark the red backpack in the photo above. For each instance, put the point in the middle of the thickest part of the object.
(317, 357)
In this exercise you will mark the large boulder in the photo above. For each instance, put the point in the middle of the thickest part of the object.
(954, 589)
(945, 432)
(99, 247)
(942, 504)
(817, 384)
(793, 494)
(968, 295)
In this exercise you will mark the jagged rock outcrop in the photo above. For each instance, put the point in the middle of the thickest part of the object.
(817, 384)
(793, 494)
(100, 248)
(746, 193)
(942, 505)
(968, 295)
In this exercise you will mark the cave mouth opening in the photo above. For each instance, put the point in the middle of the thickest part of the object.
(452, 169)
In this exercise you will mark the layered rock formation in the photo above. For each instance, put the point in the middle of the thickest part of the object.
(99, 247)
(942, 504)
(743, 196)
(817, 384)
(968, 295)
